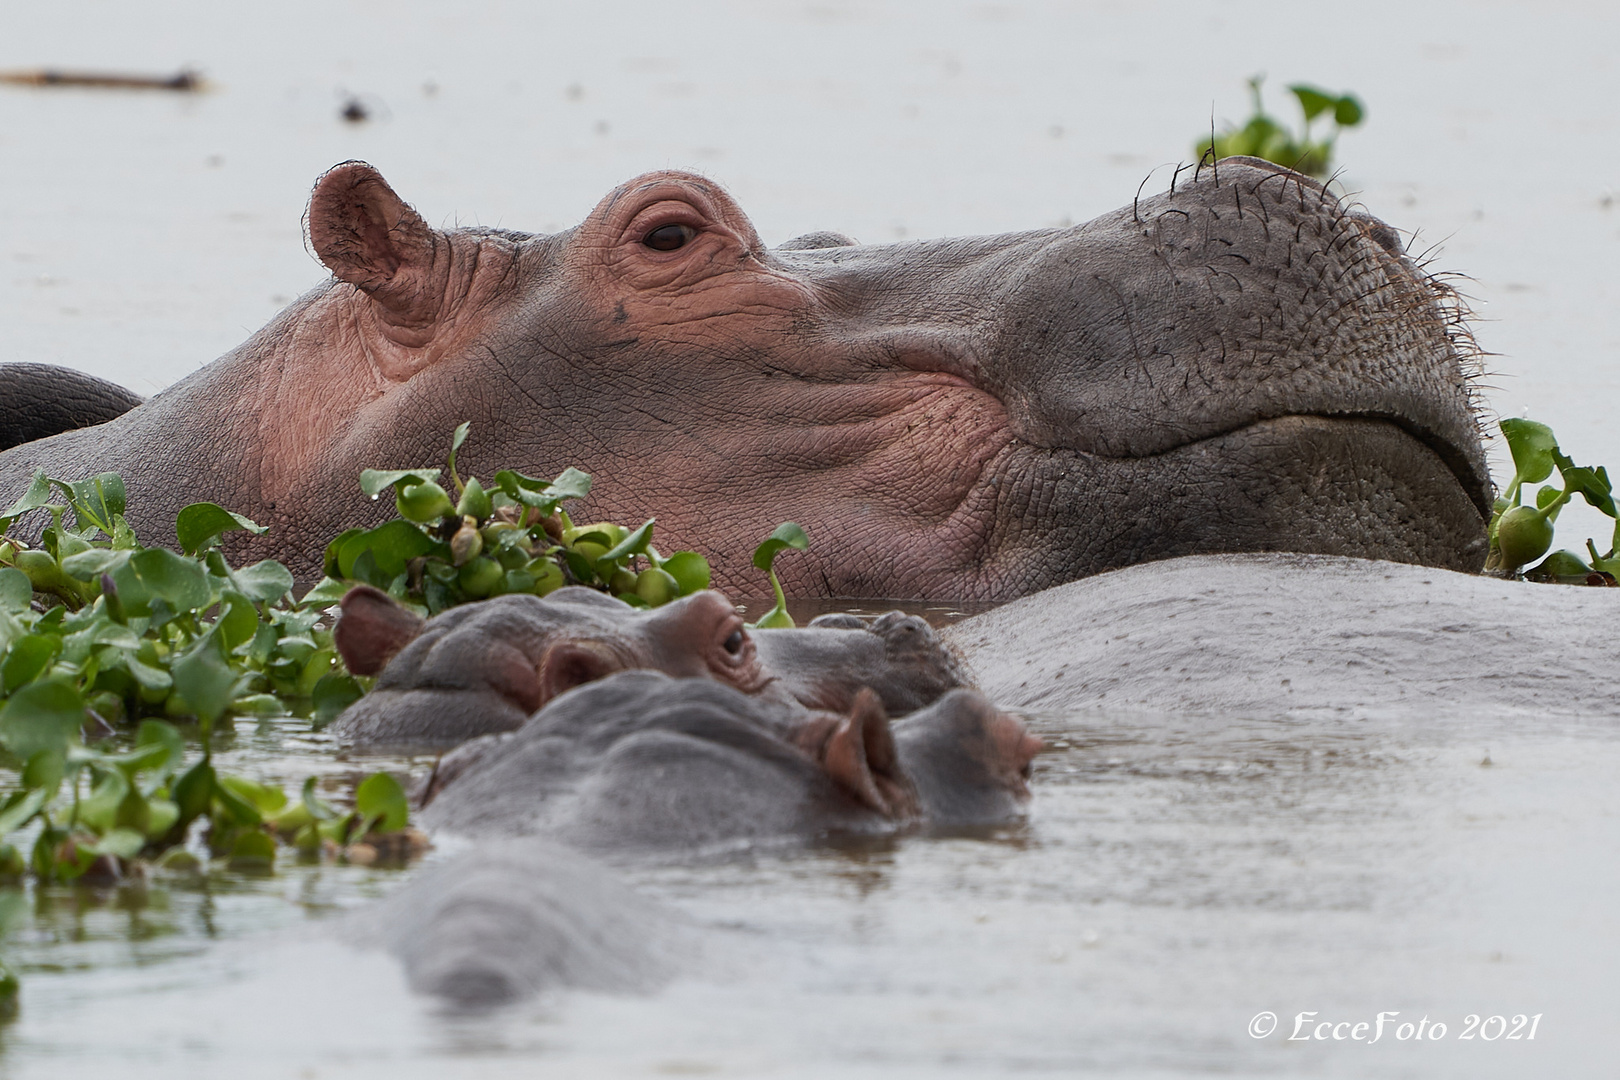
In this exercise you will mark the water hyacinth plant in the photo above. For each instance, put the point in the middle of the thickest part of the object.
(1264, 137)
(511, 537)
(1522, 532)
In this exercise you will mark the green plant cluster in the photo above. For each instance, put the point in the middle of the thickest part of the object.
(1522, 532)
(512, 537)
(141, 631)
(1264, 137)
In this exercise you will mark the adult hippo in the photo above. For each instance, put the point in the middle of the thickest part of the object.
(1242, 363)
(40, 400)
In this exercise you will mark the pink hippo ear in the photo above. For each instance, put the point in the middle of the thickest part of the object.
(859, 755)
(369, 237)
(372, 628)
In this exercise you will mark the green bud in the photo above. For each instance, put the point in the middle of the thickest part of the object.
(479, 577)
(1523, 535)
(513, 556)
(548, 576)
(475, 501)
(515, 581)
(422, 502)
(623, 581)
(492, 532)
(8, 551)
(591, 550)
(776, 619)
(468, 543)
(656, 586)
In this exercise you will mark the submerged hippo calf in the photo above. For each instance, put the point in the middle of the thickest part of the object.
(642, 763)
(1243, 363)
(486, 667)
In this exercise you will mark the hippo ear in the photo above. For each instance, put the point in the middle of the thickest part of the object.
(859, 756)
(568, 664)
(372, 628)
(369, 237)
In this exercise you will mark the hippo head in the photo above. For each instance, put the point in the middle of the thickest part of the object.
(1242, 363)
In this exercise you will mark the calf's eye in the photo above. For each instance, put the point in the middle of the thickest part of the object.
(733, 644)
(669, 237)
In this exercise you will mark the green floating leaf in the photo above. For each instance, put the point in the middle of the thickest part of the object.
(193, 791)
(1592, 484)
(253, 848)
(158, 573)
(787, 535)
(266, 800)
(634, 544)
(37, 495)
(333, 693)
(390, 545)
(571, 484)
(1532, 446)
(381, 801)
(41, 716)
(16, 591)
(165, 738)
(99, 498)
(329, 591)
(205, 681)
(125, 843)
(29, 657)
(89, 565)
(1315, 102)
(1348, 111)
(20, 808)
(375, 481)
(264, 581)
(201, 523)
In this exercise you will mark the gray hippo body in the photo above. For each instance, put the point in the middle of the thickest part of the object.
(1301, 635)
(638, 766)
(1311, 639)
(1242, 363)
(39, 400)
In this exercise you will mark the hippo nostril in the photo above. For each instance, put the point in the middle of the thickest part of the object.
(669, 237)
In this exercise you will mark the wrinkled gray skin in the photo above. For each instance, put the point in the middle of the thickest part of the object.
(642, 764)
(1302, 635)
(38, 400)
(485, 667)
(1240, 364)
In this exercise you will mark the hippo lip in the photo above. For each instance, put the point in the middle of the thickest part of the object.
(949, 368)
(1479, 489)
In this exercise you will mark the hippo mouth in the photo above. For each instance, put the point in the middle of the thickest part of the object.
(1473, 482)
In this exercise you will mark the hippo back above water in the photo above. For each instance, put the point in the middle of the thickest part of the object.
(1243, 363)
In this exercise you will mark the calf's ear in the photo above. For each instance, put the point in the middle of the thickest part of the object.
(369, 237)
(371, 629)
(860, 757)
(568, 664)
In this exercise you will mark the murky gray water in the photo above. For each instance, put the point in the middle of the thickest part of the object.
(1174, 880)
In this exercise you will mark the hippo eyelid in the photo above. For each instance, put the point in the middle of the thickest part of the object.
(670, 237)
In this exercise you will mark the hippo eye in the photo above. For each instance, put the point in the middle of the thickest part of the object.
(669, 237)
(734, 643)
